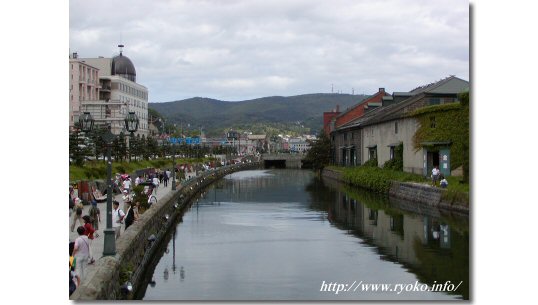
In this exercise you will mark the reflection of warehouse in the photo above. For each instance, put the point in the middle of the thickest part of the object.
(395, 233)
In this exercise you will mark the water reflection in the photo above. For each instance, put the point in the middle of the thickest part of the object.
(276, 235)
(425, 244)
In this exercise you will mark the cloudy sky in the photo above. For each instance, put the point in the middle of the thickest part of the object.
(236, 50)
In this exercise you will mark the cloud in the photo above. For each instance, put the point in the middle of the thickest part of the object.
(238, 50)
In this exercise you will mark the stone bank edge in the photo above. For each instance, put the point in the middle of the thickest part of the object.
(415, 192)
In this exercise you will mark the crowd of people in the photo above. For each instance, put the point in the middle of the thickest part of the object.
(80, 250)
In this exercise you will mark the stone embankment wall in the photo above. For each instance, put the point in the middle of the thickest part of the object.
(136, 247)
(414, 192)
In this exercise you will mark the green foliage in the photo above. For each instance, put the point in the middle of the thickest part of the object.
(126, 271)
(370, 163)
(397, 162)
(140, 197)
(97, 169)
(319, 154)
(377, 179)
(464, 99)
(451, 124)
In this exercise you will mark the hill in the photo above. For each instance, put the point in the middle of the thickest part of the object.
(275, 114)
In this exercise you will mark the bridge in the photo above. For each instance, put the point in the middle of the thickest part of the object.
(283, 160)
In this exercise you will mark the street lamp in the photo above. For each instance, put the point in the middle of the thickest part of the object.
(86, 122)
(131, 124)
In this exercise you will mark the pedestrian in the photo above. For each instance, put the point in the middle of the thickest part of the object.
(81, 252)
(95, 215)
(165, 179)
(130, 217)
(161, 177)
(89, 231)
(138, 180)
(127, 184)
(444, 182)
(155, 183)
(127, 198)
(77, 215)
(71, 201)
(435, 175)
(74, 279)
(117, 217)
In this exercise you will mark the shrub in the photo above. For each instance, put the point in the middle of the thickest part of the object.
(371, 163)
(377, 179)
(394, 164)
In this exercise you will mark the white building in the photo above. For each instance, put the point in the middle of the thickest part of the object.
(114, 95)
(299, 145)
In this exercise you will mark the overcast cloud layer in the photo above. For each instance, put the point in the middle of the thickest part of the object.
(236, 50)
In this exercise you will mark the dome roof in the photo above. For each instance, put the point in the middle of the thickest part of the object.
(123, 66)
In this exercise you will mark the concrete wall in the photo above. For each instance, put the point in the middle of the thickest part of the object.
(134, 251)
(384, 134)
(292, 160)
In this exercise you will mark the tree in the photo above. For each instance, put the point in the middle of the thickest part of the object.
(99, 143)
(122, 149)
(151, 146)
(319, 154)
(77, 148)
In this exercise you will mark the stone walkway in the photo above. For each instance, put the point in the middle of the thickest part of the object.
(97, 245)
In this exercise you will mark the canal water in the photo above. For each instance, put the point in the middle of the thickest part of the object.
(287, 235)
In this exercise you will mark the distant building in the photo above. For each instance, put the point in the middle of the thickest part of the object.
(107, 89)
(328, 125)
(299, 145)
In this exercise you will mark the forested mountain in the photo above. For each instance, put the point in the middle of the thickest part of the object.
(275, 114)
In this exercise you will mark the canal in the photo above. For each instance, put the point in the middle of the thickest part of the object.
(287, 235)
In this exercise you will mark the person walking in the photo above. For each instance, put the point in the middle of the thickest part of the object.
(95, 215)
(77, 215)
(81, 252)
(89, 231)
(127, 184)
(117, 217)
(165, 178)
(155, 183)
(130, 217)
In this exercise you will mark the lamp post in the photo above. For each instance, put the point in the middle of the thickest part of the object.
(132, 120)
(131, 124)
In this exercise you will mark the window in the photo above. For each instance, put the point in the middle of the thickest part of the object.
(435, 101)
(395, 128)
(351, 135)
(392, 152)
(345, 136)
(432, 122)
(372, 153)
